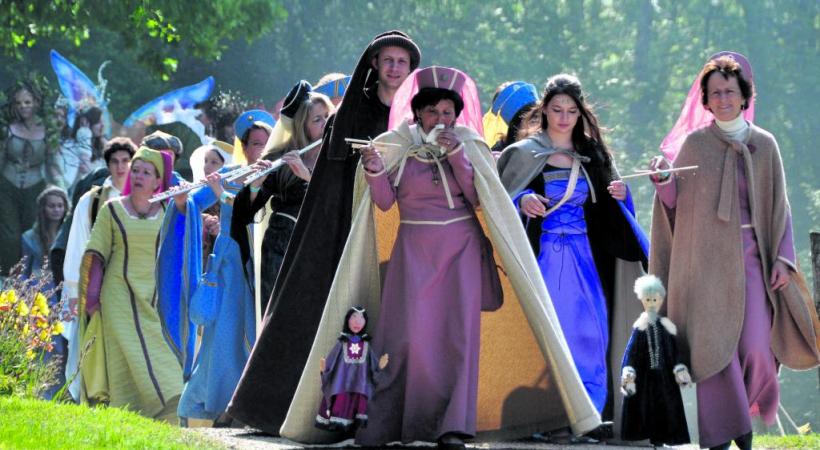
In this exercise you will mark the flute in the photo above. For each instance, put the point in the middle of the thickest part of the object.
(279, 163)
(176, 190)
(658, 172)
(361, 143)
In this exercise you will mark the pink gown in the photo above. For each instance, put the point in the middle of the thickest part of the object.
(439, 276)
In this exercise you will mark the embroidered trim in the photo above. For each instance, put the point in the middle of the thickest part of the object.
(436, 222)
(374, 174)
(360, 360)
(456, 150)
(563, 174)
(747, 225)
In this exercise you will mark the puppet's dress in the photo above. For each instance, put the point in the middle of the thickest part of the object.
(143, 373)
(347, 383)
(655, 411)
(567, 265)
(229, 333)
(435, 284)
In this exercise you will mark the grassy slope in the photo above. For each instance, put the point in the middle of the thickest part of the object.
(769, 441)
(29, 423)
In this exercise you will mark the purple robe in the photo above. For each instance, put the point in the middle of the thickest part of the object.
(439, 277)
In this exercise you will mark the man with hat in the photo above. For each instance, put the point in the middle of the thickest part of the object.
(267, 387)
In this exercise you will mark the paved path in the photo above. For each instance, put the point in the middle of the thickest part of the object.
(249, 439)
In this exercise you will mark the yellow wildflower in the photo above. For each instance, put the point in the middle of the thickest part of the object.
(30, 354)
(8, 297)
(25, 329)
(41, 303)
(58, 328)
(22, 309)
(45, 335)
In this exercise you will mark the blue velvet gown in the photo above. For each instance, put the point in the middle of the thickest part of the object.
(569, 271)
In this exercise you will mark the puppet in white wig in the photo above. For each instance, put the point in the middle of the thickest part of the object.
(652, 371)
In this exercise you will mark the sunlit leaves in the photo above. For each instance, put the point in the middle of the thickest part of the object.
(149, 26)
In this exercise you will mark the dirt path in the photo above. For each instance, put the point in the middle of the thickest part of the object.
(235, 438)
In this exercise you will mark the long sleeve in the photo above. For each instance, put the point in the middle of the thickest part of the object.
(75, 247)
(98, 253)
(631, 351)
(381, 190)
(668, 192)
(463, 171)
(94, 286)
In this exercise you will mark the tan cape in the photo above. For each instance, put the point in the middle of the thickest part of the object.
(697, 252)
(527, 379)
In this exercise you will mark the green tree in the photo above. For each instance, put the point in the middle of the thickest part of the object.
(154, 29)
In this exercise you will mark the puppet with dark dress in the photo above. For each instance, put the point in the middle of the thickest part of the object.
(651, 372)
(348, 374)
(271, 376)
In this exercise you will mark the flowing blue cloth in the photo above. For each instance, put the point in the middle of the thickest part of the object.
(568, 267)
(179, 266)
(228, 338)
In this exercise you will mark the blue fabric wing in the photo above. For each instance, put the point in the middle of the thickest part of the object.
(186, 97)
(80, 91)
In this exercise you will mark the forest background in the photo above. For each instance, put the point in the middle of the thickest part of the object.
(636, 58)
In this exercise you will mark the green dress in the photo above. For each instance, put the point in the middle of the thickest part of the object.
(143, 373)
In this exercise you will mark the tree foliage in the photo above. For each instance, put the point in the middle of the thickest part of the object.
(154, 29)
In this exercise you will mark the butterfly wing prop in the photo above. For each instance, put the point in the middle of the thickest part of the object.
(80, 91)
(157, 110)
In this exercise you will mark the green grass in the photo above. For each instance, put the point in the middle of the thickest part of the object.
(771, 441)
(36, 424)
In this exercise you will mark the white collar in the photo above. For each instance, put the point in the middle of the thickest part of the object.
(734, 126)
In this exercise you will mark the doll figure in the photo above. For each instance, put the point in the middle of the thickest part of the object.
(652, 371)
(348, 374)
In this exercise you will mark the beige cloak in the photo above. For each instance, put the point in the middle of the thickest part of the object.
(527, 379)
(697, 252)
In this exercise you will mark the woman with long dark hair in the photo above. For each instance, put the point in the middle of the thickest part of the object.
(579, 220)
(27, 165)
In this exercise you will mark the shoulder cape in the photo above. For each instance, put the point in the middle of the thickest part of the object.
(511, 402)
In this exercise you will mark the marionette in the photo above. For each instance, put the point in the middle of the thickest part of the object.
(652, 371)
(348, 374)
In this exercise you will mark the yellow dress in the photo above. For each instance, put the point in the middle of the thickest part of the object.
(142, 372)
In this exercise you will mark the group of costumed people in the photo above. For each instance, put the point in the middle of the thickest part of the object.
(481, 267)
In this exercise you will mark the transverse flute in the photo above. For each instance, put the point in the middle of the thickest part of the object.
(177, 190)
(279, 163)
